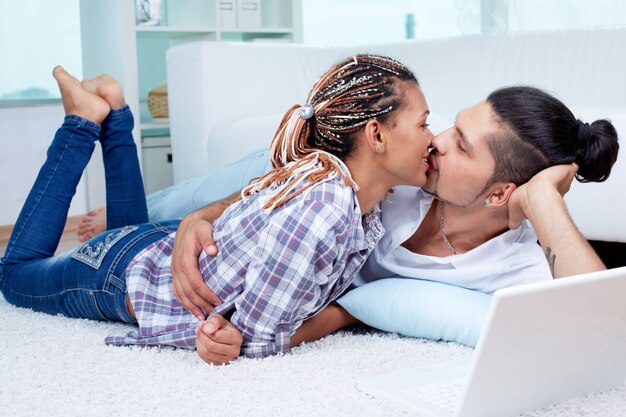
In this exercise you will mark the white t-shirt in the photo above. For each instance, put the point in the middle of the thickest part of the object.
(512, 258)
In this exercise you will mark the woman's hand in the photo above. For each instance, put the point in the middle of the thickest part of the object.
(529, 198)
(217, 341)
(194, 234)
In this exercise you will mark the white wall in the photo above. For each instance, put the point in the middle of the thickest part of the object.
(25, 134)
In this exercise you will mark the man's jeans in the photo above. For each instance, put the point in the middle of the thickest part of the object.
(181, 199)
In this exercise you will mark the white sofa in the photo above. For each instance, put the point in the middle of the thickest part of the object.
(226, 99)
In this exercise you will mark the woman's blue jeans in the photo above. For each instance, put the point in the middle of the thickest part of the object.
(89, 281)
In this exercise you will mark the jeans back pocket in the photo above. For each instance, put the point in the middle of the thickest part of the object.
(92, 253)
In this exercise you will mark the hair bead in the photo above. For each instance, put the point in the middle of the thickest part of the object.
(306, 111)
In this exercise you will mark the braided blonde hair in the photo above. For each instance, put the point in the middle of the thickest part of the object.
(353, 92)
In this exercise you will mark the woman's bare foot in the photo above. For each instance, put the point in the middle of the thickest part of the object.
(108, 88)
(92, 224)
(77, 100)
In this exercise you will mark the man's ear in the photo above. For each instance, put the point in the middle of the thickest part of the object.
(500, 194)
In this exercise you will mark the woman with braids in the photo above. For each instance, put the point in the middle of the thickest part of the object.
(291, 244)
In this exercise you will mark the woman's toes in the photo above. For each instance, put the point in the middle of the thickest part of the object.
(108, 88)
(77, 100)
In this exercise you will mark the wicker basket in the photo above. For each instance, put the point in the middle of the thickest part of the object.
(157, 102)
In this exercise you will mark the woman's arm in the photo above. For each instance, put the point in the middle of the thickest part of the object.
(292, 274)
(332, 318)
(218, 342)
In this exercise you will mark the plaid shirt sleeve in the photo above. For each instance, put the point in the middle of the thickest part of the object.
(295, 259)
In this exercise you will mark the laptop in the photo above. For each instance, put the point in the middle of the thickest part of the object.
(541, 344)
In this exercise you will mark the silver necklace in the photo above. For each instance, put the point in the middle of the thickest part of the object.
(443, 233)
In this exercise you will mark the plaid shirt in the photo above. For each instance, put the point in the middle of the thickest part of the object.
(275, 270)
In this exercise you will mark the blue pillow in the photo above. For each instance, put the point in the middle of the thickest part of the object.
(419, 308)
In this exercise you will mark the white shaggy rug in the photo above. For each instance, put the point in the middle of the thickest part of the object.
(54, 366)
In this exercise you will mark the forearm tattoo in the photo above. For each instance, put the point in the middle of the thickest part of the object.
(551, 257)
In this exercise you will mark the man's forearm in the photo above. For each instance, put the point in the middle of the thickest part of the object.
(566, 249)
(214, 210)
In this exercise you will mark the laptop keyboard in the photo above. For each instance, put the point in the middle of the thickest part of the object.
(445, 394)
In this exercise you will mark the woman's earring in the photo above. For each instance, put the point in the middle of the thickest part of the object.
(487, 202)
(379, 149)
